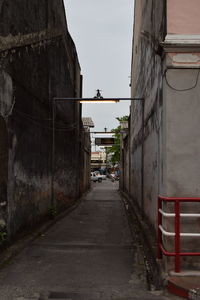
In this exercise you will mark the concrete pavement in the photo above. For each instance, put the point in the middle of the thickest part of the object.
(88, 255)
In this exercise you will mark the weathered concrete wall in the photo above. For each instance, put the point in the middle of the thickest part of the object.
(146, 120)
(181, 96)
(6, 105)
(38, 62)
(164, 126)
(124, 163)
(182, 130)
(85, 161)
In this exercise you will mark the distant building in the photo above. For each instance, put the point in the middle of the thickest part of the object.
(85, 153)
(98, 160)
(87, 122)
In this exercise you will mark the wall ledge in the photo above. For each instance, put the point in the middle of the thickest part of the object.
(181, 43)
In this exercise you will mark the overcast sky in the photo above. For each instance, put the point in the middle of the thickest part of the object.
(102, 31)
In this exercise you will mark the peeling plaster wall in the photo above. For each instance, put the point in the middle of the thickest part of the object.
(38, 61)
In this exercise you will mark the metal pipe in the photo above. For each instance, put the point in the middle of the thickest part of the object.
(142, 159)
(177, 236)
(103, 99)
(182, 199)
(159, 252)
(167, 253)
(182, 215)
(53, 155)
(183, 234)
(166, 233)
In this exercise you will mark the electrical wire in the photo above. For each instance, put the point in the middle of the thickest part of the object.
(66, 126)
(59, 127)
(38, 122)
(182, 90)
(29, 116)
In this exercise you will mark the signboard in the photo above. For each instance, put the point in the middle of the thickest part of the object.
(104, 141)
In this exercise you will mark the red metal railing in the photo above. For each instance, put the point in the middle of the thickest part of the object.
(176, 234)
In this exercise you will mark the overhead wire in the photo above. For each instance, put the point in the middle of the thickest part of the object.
(181, 90)
(38, 121)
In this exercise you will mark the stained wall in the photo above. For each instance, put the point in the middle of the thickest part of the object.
(38, 62)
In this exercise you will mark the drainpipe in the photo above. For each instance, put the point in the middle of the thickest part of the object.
(142, 160)
(53, 155)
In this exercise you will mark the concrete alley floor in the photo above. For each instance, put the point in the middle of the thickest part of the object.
(88, 255)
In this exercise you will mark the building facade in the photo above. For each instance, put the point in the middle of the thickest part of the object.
(164, 125)
(86, 153)
(98, 160)
(39, 153)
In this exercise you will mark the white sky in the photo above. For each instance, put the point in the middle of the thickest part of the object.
(102, 32)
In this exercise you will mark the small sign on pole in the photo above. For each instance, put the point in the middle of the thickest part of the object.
(104, 141)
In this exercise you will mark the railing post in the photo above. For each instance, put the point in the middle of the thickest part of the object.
(177, 236)
(159, 252)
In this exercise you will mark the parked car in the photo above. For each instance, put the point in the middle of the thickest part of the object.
(99, 175)
(95, 178)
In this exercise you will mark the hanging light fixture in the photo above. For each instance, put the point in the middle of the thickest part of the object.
(98, 98)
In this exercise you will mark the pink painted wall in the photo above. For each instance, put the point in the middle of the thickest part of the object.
(183, 16)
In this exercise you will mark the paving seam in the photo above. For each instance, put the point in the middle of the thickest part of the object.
(85, 246)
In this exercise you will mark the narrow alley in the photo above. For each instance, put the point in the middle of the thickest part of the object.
(89, 254)
(99, 149)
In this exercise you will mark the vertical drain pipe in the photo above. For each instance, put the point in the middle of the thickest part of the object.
(142, 160)
(53, 155)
